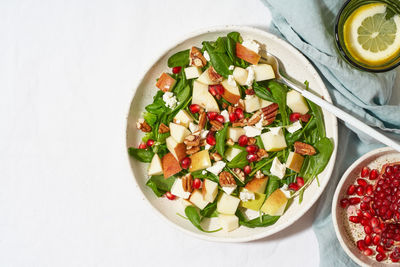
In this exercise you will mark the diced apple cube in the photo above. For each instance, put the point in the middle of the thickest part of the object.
(206, 79)
(231, 153)
(247, 54)
(186, 202)
(192, 72)
(296, 102)
(251, 103)
(235, 133)
(264, 103)
(231, 92)
(263, 72)
(257, 185)
(178, 132)
(294, 161)
(165, 83)
(197, 199)
(170, 165)
(177, 149)
(228, 222)
(199, 161)
(254, 204)
(203, 98)
(275, 204)
(274, 142)
(278, 169)
(183, 118)
(227, 204)
(240, 75)
(155, 166)
(209, 190)
(177, 189)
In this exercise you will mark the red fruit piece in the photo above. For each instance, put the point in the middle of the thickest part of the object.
(361, 245)
(176, 70)
(251, 157)
(354, 219)
(364, 172)
(220, 118)
(368, 252)
(380, 257)
(150, 142)
(170, 196)
(216, 89)
(294, 117)
(368, 240)
(362, 182)
(239, 113)
(247, 169)
(344, 203)
(243, 140)
(351, 190)
(300, 181)
(293, 186)
(210, 139)
(212, 115)
(369, 190)
(185, 162)
(360, 191)
(196, 183)
(194, 108)
(142, 146)
(373, 174)
(354, 200)
(232, 117)
(252, 149)
(376, 239)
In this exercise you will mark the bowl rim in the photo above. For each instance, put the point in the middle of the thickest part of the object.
(249, 30)
(344, 178)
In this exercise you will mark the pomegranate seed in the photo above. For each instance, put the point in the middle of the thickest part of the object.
(368, 252)
(362, 182)
(300, 181)
(295, 116)
(176, 70)
(344, 203)
(170, 196)
(220, 118)
(252, 149)
(376, 239)
(354, 200)
(185, 162)
(232, 117)
(354, 219)
(220, 89)
(360, 191)
(363, 206)
(380, 249)
(368, 240)
(212, 90)
(216, 89)
(373, 174)
(150, 142)
(251, 157)
(380, 257)
(210, 139)
(368, 229)
(361, 245)
(365, 222)
(247, 169)
(389, 170)
(250, 92)
(364, 172)
(351, 190)
(239, 113)
(293, 186)
(196, 183)
(194, 108)
(142, 146)
(367, 215)
(212, 115)
(243, 140)
(370, 190)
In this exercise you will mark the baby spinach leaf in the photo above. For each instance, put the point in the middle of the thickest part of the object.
(220, 137)
(319, 116)
(263, 92)
(180, 59)
(210, 210)
(293, 137)
(150, 118)
(259, 142)
(279, 92)
(319, 161)
(262, 221)
(235, 36)
(239, 161)
(142, 155)
(159, 185)
(273, 184)
(194, 217)
(219, 58)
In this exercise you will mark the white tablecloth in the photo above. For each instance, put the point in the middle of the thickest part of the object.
(67, 196)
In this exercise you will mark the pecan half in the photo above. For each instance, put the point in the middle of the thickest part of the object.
(216, 125)
(305, 117)
(202, 120)
(192, 140)
(231, 109)
(304, 149)
(240, 174)
(230, 142)
(214, 76)
(187, 183)
(225, 105)
(255, 118)
(215, 156)
(190, 150)
(203, 142)
(240, 104)
(226, 179)
(259, 174)
(142, 125)
(251, 141)
(163, 128)
(249, 92)
(270, 113)
(262, 153)
(196, 58)
(241, 123)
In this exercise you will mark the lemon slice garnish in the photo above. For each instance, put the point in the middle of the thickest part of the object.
(370, 37)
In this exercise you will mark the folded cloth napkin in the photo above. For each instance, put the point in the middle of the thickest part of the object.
(308, 25)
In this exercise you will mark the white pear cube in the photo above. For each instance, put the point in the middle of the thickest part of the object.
(177, 189)
(203, 98)
(205, 78)
(228, 222)
(231, 153)
(197, 199)
(231, 91)
(263, 72)
(251, 103)
(178, 132)
(183, 118)
(235, 133)
(240, 75)
(178, 150)
(155, 166)
(274, 141)
(185, 203)
(296, 102)
(192, 72)
(264, 103)
(275, 204)
(199, 161)
(227, 204)
(209, 190)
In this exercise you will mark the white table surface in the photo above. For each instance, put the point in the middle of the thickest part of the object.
(67, 196)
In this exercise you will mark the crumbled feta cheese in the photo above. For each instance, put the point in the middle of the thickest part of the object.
(294, 127)
(275, 130)
(250, 76)
(204, 133)
(285, 190)
(204, 172)
(260, 122)
(229, 189)
(206, 55)
(170, 100)
(177, 121)
(225, 114)
(178, 190)
(207, 147)
(217, 167)
(231, 80)
(250, 44)
(278, 169)
(193, 127)
(252, 131)
(250, 214)
(231, 67)
(246, 195)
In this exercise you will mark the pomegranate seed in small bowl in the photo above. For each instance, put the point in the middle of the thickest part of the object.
(364, 172)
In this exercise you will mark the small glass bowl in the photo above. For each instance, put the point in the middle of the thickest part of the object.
(346, 10)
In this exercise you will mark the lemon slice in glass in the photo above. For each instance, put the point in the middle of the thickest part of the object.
(370, 37)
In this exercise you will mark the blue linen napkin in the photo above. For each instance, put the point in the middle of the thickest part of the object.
(308, 25)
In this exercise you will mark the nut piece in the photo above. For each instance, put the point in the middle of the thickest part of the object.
(196, 58)
(214, 76)
(163, 128)
(202, 120)
(190, 150)
(240, 104)
(240, 174)
(216, 125)
(251, 141)
(203, 142)
(255, 118)
(259, 174)
(249, 92)
(270, 113)
(142, 125)
(192, 140)
(215, 156)
(187, 182)
(304, 149)
(241, 123)
(261, 153)
(230, 142)
(225, 105)
(226, 179)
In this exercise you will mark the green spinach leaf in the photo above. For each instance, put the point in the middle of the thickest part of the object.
(220, 137)
(210, 210)
(279, 92)
(219, 58)
(194, 217)
(160, 185)
(262, 221)
(273, 184)
(239, 161)
(180, 59)
(263, 92)
(142, 155)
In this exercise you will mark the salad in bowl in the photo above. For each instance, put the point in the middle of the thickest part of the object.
(226, 139)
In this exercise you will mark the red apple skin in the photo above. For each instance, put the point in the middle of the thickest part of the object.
(170, 165)
(165, 83)
(247, 54)
(231, 98)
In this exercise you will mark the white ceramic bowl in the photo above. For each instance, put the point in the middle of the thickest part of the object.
(296, 65)
(345, 231)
